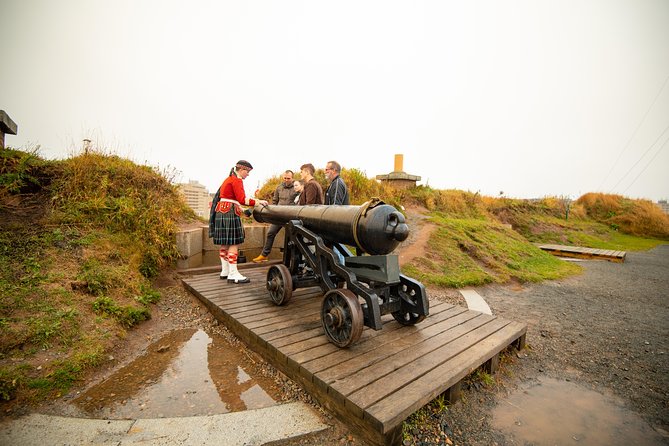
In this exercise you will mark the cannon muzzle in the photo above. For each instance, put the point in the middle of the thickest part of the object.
(374, 227)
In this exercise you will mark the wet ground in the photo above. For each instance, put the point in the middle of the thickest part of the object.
(189, 372)
(185, 373)
(554, 412)
(594, 371)
(595, 367)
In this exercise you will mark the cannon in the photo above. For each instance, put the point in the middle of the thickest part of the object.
(361, 288)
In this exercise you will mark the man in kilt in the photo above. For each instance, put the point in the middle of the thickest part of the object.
(225, 224)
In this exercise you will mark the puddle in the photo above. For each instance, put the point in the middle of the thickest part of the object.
(185, 373)
(562, 413)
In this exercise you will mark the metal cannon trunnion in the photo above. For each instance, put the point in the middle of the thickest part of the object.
(358, 291)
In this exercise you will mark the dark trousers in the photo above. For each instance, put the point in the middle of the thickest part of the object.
(271, 235)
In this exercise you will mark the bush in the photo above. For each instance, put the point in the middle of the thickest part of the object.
(21, 172)
(148, 296)
(636, 217)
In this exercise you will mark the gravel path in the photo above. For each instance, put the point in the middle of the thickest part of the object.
(606, 330)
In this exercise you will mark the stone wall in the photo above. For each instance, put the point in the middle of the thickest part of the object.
(197, 250)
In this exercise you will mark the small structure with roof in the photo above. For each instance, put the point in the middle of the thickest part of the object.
(398, 178)
(6, 126)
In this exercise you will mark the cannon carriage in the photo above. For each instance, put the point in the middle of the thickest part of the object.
(358, 289)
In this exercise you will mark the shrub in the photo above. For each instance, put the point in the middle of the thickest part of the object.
(127, 316)
(636, 217)
(148, 296)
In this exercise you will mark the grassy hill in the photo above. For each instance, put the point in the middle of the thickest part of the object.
(483, 239)
(82, 240)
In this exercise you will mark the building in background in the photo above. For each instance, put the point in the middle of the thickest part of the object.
(664, 206)
(197, 197)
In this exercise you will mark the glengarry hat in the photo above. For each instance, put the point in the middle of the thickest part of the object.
(244, 165)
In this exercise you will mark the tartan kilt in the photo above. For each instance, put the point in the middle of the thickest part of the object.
(228, 228)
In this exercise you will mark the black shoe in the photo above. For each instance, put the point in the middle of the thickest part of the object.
(223, 277)
(244, 280)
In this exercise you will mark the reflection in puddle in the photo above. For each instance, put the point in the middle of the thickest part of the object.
(185, 373)
(558, 412)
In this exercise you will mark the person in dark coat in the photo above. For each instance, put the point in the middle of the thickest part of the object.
(336, 193)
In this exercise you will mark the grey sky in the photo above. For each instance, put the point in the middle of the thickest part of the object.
(532, 98)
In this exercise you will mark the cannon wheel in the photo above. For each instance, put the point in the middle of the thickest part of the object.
(279, 284)
(404, 316)
(342, 317)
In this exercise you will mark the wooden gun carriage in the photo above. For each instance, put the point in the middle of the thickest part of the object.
(362, 288)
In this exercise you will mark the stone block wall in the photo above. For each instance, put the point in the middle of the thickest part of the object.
(196, 249)
(189, 245)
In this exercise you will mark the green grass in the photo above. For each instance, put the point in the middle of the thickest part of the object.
(80, 241)
(581, 232)
(468, 252)
(424, 418)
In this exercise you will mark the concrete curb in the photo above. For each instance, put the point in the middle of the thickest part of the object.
(475, 301)
(251, 427)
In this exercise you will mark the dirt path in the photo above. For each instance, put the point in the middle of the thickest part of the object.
(419, 235)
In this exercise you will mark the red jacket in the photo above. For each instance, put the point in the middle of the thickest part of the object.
(233, 189)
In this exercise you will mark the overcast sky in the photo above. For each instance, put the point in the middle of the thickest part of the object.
(533, 98)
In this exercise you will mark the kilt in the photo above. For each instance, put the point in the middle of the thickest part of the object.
(228, 228)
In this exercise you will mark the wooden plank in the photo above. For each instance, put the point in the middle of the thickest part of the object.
(584, 253)
(317, 352)
(396, 407)
(366, 390)
(379, 342)
(394, 385)
(377, 382)
(261, 327)
(397, 350)
(268, 309)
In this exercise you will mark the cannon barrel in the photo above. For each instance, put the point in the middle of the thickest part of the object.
(374, 227)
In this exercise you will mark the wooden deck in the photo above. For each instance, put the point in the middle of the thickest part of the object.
(585, 253)
(374, 385)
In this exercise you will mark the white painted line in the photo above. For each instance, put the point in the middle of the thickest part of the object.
(475, 301)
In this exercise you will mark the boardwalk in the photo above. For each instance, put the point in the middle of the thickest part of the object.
(374, 385)
(585, 253)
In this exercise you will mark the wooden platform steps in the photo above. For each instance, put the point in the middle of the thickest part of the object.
(585, 253)
(374, 385)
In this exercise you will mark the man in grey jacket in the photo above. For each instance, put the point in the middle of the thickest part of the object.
(284, 194)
